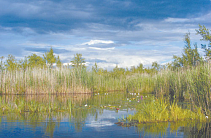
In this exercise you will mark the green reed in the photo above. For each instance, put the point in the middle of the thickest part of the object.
(192, 83)
(55, 81)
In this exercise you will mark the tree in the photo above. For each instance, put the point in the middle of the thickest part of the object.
(58, 62)
(140, 68)
(50, 58)
(155, 66)
(11, 63)
(78, 61)
(117, 72)
(36, 61)
(206, 36)
(23, 63)
(204, 32)
(190, 57)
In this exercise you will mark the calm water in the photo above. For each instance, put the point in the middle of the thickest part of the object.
(91, 116)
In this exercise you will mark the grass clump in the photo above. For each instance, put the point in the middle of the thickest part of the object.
(158, 110)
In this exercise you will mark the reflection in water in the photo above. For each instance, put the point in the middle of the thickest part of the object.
(84, 115)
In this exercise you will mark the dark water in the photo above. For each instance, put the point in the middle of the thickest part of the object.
(91, 116)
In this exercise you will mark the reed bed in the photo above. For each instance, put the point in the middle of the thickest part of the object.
(192, 83)
(55, 81)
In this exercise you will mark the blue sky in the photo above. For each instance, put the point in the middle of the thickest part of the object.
(109, 32)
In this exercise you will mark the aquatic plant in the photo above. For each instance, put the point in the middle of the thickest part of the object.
(159, 110)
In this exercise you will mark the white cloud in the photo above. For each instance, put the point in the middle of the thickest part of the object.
(153, 40)
(177, 20)
(97, 48)
(93, 42)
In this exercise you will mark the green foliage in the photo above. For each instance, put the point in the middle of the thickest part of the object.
(78, 61)
(58, 62)
(118, 72)
(155, 66)
(32, 61)
(23, 63)
(11, 63)
(36, 61)
(190, 57)
(158, 110)
(206, 36)
(204, 32)
(50, 58)
(138, 69)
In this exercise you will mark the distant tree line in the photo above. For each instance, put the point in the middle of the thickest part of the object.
(36, 61)
(31, 61)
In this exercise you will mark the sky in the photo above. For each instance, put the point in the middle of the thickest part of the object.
(108, 32)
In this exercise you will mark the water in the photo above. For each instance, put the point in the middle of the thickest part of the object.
(91, 116)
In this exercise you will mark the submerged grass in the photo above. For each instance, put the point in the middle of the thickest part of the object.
(158, 110)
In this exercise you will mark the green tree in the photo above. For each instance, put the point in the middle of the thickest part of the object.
(190, 57)
(140, 68)
(117, 72)
(155, 65)
(204, 32)
(50, 58)
(11, 63)
(36, 61)
(206, 36)
(58, 62)
(78, 61)
(23, 63)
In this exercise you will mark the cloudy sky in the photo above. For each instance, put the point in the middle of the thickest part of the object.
(109, 32)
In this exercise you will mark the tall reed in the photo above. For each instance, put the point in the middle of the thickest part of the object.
(55, 81)
(191, 83)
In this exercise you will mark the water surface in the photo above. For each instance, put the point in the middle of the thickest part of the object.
(90, 116)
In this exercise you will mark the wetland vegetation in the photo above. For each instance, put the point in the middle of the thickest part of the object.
(39, 88)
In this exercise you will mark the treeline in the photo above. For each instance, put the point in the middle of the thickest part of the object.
(32, 61)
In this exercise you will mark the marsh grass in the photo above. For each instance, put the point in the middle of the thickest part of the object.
(57, 81)
(159, 110)
(192, 83)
